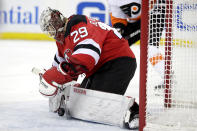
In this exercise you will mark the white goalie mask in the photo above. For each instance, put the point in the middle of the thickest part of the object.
(51, 22)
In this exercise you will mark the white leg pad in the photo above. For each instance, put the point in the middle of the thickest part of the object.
(96, 106)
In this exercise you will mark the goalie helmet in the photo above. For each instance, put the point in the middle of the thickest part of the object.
(51, 22)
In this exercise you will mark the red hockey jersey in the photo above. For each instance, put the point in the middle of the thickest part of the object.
(92, 43)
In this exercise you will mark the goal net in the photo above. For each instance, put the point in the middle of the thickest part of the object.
(168, 65)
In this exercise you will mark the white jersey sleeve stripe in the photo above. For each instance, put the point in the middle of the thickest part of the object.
(57, 60)
(90, 41)
(88, 52)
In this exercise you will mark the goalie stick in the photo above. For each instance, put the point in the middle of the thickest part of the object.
(37, 71)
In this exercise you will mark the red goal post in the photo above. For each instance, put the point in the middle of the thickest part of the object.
(175, 107)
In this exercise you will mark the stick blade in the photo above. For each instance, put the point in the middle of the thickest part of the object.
(37, 71)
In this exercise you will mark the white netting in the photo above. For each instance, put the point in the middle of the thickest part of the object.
(174, 106)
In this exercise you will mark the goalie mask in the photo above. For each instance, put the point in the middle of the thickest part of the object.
(51, 22)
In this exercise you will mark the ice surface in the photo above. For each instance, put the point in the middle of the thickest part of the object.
(22, 108)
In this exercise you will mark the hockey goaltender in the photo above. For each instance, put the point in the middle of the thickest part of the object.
(88, 46)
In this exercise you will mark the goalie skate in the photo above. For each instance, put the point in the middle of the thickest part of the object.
(132, 117)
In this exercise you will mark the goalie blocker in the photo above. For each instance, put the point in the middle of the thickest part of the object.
(86, 104)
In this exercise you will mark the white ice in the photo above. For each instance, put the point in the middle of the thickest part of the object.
(22, 108)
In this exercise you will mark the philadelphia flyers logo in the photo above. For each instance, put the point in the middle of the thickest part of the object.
(131, 9)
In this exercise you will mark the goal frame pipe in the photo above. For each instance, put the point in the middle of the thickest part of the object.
(168, 54)
(144, 58)
(143, 63)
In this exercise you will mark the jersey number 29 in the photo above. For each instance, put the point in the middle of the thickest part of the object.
(80, 33)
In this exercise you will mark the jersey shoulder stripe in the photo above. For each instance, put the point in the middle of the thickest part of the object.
(88, 46)
(74, 20)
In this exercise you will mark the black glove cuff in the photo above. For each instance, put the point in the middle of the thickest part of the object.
(120, 27)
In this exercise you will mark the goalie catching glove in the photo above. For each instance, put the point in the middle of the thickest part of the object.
(51, 80)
